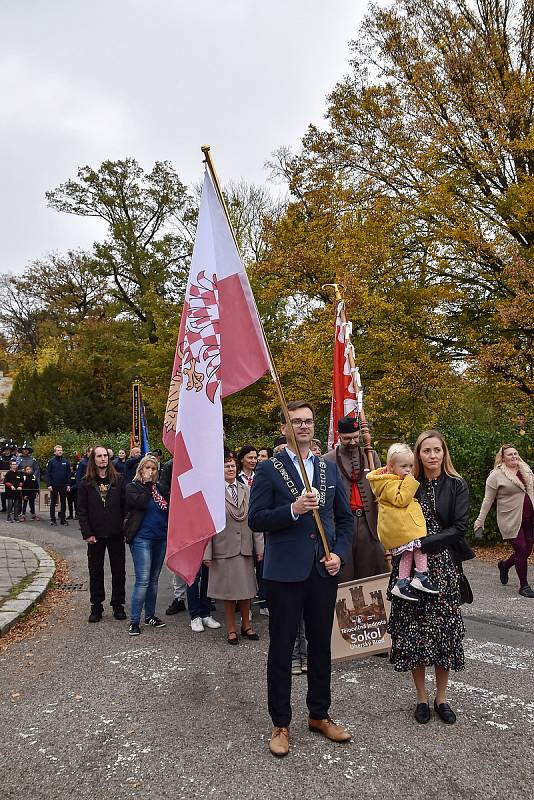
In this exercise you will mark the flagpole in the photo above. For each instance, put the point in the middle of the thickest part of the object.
(290, 433)
(364, 425)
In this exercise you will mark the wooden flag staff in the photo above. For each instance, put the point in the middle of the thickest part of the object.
(355, 373)
(290, 433)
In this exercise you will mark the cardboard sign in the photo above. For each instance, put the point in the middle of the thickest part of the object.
(360, 618)
(44, 499)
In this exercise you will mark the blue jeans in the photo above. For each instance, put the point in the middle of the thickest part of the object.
(148, 557)
(197, 595)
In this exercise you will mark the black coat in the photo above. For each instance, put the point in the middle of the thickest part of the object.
(165, 478)
(97, 519)
(452, 512)
(137, 498)
(130, 468)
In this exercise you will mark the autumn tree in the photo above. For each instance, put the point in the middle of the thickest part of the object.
(437, 117)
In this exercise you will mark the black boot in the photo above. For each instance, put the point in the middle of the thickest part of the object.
(96, 613)
(118, 612)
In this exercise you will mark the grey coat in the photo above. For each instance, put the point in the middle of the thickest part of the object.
(236, 538)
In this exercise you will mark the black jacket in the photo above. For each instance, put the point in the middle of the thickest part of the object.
(137, 497)
(452, 511)
(97, 519)
(119, 465)
(12, 481)
(165, 478)
(30, 485)
(130, 468)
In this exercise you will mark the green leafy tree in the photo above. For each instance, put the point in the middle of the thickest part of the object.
(148, 217)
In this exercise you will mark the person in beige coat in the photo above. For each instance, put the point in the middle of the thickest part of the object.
(511, 486)
(230, 556)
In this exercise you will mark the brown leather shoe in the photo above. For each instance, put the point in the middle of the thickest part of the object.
(279, 742)
(329, 729)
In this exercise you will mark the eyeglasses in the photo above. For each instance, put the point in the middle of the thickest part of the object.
(302, 423)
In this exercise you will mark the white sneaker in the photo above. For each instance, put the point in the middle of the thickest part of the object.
(196, 625)
(264, 612)
(209, 622)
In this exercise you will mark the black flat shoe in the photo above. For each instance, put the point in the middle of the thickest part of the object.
(503, 572)
(422, 713)
(232, 638)
(445, 712)
(250, 634)
(526, 591)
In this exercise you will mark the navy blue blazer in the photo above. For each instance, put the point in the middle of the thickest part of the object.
(292, 546)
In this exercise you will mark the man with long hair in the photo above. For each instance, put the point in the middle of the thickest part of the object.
(101, 514)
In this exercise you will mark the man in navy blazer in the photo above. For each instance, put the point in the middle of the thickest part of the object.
(298, 578)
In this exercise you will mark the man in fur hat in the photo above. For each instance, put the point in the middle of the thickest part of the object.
(367, 556)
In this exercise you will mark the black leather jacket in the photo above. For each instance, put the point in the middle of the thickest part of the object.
(452, 511)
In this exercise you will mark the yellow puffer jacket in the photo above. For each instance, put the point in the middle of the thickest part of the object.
(400, 517)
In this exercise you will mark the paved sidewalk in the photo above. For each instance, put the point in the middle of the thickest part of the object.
(19, 560)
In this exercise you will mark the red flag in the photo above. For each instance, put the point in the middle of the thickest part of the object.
(220, 350)
(346, 396)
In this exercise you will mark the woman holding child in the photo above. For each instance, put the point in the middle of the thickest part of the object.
(425, 623)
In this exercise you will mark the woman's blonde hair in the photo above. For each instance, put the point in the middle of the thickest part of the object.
(144, 461)
(447, 464)
(397, 449)
(499, 455)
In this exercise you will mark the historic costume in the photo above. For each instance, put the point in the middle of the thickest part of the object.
(367, 557)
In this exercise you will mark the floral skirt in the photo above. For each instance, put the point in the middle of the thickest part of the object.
(429, 633)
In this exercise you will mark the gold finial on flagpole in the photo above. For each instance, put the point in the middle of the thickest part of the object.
(336, 289)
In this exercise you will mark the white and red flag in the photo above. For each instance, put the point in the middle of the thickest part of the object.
(220, 350)
(347, 394)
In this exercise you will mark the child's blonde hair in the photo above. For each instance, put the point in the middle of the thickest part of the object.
(397, 449)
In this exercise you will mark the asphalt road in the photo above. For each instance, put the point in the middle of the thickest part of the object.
(88, 712)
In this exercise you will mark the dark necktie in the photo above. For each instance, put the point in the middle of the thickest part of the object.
(233, 489)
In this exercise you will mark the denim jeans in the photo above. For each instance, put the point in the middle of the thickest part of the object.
(197, 595)
(148, 557)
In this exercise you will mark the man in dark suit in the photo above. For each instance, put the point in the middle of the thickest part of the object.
(298, 579)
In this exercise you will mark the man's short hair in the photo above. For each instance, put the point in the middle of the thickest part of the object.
(294, 405)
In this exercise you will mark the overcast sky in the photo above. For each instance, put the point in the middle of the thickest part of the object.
(86, 80)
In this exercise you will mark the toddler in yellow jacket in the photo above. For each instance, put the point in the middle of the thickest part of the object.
(401, 523)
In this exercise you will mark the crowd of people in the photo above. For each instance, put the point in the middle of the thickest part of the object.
(413, 509)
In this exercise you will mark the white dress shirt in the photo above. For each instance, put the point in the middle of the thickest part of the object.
(308, 466)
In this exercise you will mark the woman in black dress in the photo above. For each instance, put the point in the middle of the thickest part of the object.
(430, 633)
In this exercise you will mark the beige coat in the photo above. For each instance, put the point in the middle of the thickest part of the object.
(506, 488)
(236, 538)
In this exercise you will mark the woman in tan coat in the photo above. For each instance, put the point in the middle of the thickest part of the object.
(230, 556)
(510, 484)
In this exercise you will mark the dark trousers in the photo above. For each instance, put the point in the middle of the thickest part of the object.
(14, 505)
(4, 501)
(29, 500)
(315, 598)
(61, 492)
(117, 561)
(261, 587)
(198, 604)
(72, 498)
(522, 545)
